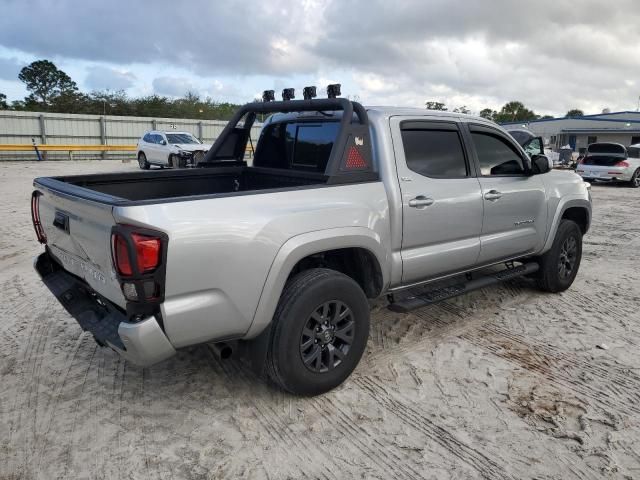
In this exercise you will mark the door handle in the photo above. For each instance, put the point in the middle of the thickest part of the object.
(421, 201)
(493, 195)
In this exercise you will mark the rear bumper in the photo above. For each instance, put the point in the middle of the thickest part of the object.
(143, 343)
(605, 176)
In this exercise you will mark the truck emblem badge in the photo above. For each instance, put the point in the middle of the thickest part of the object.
(359, 141)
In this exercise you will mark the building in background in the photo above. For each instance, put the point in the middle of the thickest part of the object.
(579, 132)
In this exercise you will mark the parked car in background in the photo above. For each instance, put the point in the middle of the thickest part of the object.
(170, 149)
(611, 162)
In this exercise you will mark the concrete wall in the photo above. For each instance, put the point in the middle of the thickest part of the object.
(65, 129)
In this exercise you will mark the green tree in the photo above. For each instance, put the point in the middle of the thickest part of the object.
(546, 117)
(575, 112)
(3, 102)
(514, 111)
(462, 109)
(431, 105)
(45, 81)
(488, 113)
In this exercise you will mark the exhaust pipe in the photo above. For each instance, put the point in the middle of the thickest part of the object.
(221, 350)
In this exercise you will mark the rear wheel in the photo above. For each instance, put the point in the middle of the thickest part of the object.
(635, 179)
(320, 331)
(142, 161)
(559, 266)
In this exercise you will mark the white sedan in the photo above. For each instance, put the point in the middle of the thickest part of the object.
(170, 149)
(611, 162)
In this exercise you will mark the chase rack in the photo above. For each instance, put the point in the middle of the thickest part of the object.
(351, 158)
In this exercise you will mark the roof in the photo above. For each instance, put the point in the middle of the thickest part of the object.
(378, 110)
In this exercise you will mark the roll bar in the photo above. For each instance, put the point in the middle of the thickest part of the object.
(232, 141)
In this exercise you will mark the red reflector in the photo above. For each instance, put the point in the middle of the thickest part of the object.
(147, 251)
(121, 255)
(35, 217)
(355, 159)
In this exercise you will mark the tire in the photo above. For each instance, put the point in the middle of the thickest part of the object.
(172, 161)
(182, 163)
(559, 266)
(315, 305)
(635, 179)
(142, 161)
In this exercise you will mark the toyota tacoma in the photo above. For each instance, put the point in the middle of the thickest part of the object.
(279, 258)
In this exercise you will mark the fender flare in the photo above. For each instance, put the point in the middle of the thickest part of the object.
(566, 203)
(301, 246)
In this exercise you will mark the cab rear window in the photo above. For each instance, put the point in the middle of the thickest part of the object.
(296, 145)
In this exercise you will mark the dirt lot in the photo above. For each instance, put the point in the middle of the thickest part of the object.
(503, 383)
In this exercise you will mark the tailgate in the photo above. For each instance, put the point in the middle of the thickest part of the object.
(79, 237)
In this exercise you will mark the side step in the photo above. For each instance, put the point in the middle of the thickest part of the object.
(412, 302)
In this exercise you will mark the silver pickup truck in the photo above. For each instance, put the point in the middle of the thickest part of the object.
(278, 259)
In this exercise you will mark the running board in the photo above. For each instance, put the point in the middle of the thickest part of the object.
(412, 302)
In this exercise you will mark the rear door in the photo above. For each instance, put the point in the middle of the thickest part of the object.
(515, 207)
(156, 149)
(441, 198)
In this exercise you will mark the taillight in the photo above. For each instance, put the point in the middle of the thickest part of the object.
(138, 256)
(622, 164)
(146, 250)
(35, 217)
(121, 255)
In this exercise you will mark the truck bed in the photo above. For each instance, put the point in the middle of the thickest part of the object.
(168, 185)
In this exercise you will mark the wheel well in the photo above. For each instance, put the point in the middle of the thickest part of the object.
(578, 215)
(358, 263)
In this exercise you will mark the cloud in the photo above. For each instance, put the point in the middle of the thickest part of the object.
(173, 86)
(551, 54)
(10, 68)
(106, 78)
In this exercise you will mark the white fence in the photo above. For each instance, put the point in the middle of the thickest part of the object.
(71, 129)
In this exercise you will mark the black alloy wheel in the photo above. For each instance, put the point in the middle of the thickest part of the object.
(327, 336)
(567, 258)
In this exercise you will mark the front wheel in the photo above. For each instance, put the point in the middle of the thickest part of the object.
(559, 266)
(635, 179)
(320, 331)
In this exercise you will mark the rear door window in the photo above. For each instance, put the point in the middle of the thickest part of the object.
(434, 153)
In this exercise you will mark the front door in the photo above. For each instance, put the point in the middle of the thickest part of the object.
(441, 199)
(515, 207)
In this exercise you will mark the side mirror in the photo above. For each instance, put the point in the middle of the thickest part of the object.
(163, 142)
(540, 164)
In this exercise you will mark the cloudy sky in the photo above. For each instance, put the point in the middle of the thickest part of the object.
(551, 54)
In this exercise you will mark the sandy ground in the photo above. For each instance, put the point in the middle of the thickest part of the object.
(503, 383)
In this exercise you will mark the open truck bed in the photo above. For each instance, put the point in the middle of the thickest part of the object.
(173, 185)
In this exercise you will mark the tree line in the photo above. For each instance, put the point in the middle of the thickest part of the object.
(513, 111)
(52, 90)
